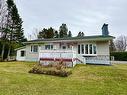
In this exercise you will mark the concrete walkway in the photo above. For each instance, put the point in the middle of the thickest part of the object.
(118, 62)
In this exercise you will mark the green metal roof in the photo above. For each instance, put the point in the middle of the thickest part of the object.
(85, 38)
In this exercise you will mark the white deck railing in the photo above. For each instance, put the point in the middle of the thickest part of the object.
(57, 54)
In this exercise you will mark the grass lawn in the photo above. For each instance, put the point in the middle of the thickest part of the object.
(85, 80)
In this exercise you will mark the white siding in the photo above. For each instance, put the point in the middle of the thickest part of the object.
(103, 48)
(19, 57)
(32, 56)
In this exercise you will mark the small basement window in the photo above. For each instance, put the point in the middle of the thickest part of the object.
(23, 53)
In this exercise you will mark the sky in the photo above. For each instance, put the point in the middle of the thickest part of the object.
(87, 16)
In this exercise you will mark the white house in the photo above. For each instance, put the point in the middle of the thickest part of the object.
(73, 50)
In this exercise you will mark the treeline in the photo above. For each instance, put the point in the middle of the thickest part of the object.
(11, 31)
(119, 56)
(53, 33)
(119, 44)
(118, 48)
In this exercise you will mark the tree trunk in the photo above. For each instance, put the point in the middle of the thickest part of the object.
(8, 56)
(2, 55)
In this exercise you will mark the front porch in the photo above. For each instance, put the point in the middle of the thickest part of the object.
(67, 56)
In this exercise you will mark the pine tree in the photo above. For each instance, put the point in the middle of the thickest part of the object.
(50, 33)
(79, 34)
(46, 33)
(69, 34)
(63, 31)
(56, 34)
(82, 34)
(14, 25)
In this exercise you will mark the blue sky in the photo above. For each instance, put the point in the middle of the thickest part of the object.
(79, 15)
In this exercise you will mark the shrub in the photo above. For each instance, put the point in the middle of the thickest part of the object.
(119, 56)
(62, 72)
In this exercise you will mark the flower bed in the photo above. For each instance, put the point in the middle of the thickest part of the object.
(56, 70)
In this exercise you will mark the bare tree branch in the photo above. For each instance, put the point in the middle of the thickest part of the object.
(121, 43)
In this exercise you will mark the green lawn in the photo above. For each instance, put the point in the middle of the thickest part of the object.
(85, 80)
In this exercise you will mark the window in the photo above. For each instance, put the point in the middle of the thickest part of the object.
(78, 49)
(48, 47)
(86, 49)
(34, 48)
(51, 46)
(94, 49)
(82, 49)
(63, 47)
(22, 53)
(90, 48)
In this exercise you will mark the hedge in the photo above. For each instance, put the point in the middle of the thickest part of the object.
(119, 56)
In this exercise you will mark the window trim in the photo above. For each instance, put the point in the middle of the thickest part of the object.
(51, 47)
(79, 49)
(64, 47)
(88, 49)
(24, 54)
(33, 49)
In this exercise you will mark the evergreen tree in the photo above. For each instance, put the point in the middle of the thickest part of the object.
(63, 31)
(79, 34)
(46, 33)
(42, 33)
(50, 33)
(69, 34)
(14, 25)
(11, 31)
(16, 30)
(82, 34)
(56, 34)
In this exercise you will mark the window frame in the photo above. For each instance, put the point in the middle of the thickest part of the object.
(48, 47)
(33, 49)
(79, 49)
(22, 53)
(89, 49)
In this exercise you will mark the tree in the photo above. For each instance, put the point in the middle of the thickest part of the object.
(46, 33)
(3, 25)
(63, 31)
(80, 34)
(69, 34)
(121, 43)
(112, 46)
(56, 34)
(10, 26)
(50, 32)
(42, 33)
